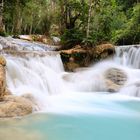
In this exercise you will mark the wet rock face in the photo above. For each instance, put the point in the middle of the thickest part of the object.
(2, 76)
(115, 79)
(84, 56)
(2, 61)
(13, 106)
(75, 58)
(103, 51)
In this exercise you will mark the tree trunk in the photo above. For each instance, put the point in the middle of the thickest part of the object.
(25, 29)
(89, 17)
(31, 28)
(17, 19)
(2, 28)
(62, 14)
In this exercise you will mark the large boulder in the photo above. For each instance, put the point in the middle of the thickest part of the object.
(13, 106)
(104, 51)
(115, 79)
(84, 56)
(76, 57)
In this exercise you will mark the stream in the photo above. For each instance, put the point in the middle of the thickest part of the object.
(74, 106)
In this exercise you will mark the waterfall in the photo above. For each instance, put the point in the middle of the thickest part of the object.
(56, 90)
(73, 104)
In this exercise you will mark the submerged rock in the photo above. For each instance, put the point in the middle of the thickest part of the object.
(32, 99)
(13, 106)
(19, 133)
(115, 79)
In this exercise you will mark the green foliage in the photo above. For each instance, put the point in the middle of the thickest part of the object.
(105, 19)
(116, 21)
(110, 23)
(127, 4)
(71, 37)
(130, 34)
(4, 34)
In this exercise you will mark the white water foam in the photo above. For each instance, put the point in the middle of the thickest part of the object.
(58, 91)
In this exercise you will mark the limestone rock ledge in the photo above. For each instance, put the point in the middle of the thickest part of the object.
(84, 56)
(13, 106)
(3, 88)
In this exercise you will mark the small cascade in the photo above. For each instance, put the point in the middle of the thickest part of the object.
(45, 79)
(38, 76)
(128, 56)
(9, 43)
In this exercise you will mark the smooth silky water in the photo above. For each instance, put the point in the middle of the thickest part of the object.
(73, 106)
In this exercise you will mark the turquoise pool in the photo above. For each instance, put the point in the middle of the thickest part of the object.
(76, 126)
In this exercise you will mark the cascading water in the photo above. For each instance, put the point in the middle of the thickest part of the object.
(38, 76)
(53, 89)
(128, 56)
(77, 105)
